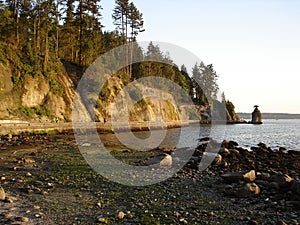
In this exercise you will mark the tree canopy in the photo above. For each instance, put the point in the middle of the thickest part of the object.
(35, 36)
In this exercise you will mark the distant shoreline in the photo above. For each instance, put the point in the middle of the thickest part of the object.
(271, 115)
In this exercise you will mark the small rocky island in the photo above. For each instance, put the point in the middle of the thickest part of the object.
(256, 116)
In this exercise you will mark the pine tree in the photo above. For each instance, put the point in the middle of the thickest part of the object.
(204, 77)
(87, 22)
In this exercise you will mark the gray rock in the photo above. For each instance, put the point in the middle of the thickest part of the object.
(232, 177)
(283, 180)
(2, 194)
(263, 176)
(262, 183)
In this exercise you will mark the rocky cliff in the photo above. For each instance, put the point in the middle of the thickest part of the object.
(37, 98)
(48, 98)
(136, 103)
(44, 98)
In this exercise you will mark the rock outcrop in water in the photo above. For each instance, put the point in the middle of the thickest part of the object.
(256, 116)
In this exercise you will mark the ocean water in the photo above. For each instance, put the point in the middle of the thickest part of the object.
(274, 133)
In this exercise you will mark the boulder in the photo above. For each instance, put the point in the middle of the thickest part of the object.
(282, 149)
(239, 176)
(166, 162)
(2, 194)
(259, 150)
(224, 151)
(262, 145)
(263, 176)
(218, 160)
(121, 215)
(283, 180)
(250, 189)
(233, 177)
(229, 144)
(250, 176)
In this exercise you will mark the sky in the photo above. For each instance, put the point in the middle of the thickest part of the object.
(254, 45)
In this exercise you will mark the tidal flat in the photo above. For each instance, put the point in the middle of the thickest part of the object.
(47, 181)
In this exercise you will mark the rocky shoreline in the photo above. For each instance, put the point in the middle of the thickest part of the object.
(270, 176)
(45, 180)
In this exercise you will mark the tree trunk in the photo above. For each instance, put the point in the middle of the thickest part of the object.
(38, 29)
(46, 50)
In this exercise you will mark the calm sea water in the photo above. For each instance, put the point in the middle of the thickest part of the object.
(274, 133)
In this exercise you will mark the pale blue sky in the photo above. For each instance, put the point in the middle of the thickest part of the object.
(254, 45)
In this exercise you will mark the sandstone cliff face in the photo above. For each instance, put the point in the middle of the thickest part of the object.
(6, 94)
(35, 91)
(136, 104)
(35, 98)
(49, 98)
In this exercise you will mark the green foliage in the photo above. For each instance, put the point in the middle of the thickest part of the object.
(99, 105)
(125, 77)
(42, 111)
(204, 83)
(15, 81)
(28, 112)
(105, 93)
(56, 87)
(48, 31)
(230, 106)
(3, 58)
(142, 103)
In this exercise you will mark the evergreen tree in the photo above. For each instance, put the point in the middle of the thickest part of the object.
(7, 23)
(87, 22)
(204, 77)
